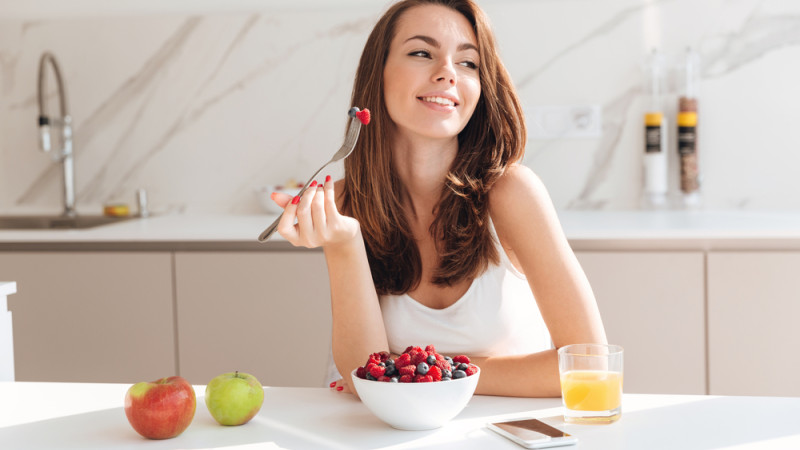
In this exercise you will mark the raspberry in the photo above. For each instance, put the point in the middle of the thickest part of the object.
(361, 372)
(435, 373)
(442, 365)
(407, 370)
(384, 378)
(376, 370)
(363, 116)
(406, 379)
(423, 379)
(461, 359)
(418, 357)
(438, 357)
(430, 349)
(472, 369)
(402, 360)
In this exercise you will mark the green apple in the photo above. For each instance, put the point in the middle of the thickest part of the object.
(234, 398)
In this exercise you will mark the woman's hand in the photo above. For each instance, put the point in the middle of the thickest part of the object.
(319, 223)
(340, 386)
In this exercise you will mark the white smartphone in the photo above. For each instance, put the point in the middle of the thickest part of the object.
(532, 433)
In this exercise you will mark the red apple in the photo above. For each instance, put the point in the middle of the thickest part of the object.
(160, 409)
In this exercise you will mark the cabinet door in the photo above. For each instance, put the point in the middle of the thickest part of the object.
(653, 305)
(91, 316)
(267, 314)
(753, 312)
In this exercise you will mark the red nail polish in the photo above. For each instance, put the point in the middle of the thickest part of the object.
(333, 383)
(328, 178)
(296, 200)
(339, 388)
(313, 183)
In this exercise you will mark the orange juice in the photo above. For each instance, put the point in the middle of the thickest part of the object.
(591, 390)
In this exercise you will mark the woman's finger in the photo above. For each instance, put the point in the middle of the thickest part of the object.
(286, 227)
(330, 198)
(281, 199)
(318, 210)
(305, 224)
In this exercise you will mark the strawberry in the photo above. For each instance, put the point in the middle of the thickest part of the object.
(363, 116)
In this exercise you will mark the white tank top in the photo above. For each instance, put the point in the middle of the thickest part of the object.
(496, 316)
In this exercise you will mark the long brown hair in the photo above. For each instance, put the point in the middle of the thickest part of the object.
(493, 139)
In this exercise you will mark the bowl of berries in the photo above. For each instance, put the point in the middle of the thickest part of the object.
(418, 390)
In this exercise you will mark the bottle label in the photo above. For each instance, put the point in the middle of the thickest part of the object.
(652, 137)
(652, 132)
(687, 140)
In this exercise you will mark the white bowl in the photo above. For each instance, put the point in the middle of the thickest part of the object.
(416, 406)
(264, 193)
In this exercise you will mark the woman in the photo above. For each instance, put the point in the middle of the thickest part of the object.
(436, 235)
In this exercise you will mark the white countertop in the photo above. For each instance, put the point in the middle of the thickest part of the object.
(7, 288)
(586, 230)
(86, 416)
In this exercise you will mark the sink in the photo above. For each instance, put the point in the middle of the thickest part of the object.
(56, 222)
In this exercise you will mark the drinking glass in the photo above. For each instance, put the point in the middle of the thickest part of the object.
(591, 382)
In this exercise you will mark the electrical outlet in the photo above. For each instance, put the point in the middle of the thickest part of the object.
(564, 122)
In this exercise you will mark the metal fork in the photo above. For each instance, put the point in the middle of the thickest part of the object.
(353, 130)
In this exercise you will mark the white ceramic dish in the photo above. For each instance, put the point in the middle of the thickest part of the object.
(416, 406)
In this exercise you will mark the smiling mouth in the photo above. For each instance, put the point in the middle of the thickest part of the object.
(439, 101)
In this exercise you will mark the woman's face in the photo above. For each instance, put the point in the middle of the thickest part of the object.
(430, 81)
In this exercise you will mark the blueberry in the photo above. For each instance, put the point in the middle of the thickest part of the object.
(389, 362)
(448, 359)
(394, 380)
(370, 377)
(447, 374)
(423, 368)
(462, 366)
(459, 374)
(382, 364)
(353, 111)
(431, 360)
(390, 370)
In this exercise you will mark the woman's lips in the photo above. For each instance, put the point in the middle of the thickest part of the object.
(436, 103)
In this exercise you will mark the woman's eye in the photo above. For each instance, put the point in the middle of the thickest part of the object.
(469, 64)
(421, 53)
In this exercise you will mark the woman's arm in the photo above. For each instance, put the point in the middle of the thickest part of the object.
(530, 233)
(357, 321)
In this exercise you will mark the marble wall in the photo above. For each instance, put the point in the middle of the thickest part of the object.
(201, 108)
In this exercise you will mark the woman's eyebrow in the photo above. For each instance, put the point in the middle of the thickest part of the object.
(434, 43)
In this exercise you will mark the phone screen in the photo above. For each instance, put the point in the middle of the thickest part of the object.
(531, 429)
(533, 433)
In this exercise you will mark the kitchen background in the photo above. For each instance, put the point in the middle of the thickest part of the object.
(202, 102)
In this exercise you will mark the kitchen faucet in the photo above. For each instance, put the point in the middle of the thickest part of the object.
(65, 123)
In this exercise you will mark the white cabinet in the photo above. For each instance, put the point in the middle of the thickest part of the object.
(653, 304)
(753, 315)
(91, 316)
(267, 314)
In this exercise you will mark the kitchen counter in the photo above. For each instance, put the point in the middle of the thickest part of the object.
(586, 230)
(86, 416)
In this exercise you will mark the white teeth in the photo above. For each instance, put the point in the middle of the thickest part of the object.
(439, 100)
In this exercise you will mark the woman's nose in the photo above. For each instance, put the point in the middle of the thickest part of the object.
(446, 73)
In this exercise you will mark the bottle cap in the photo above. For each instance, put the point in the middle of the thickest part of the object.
(653, 119)
(687, 119)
